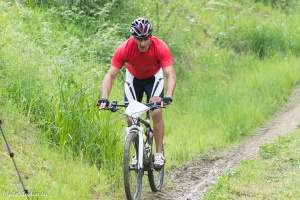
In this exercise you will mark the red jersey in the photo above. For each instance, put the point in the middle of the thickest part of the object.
(142, 65)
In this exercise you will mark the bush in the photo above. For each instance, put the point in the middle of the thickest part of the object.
(283, 4)
(262, 40)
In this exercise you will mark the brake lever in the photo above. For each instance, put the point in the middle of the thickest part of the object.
(156, 106)
(113, 106)
(113, 109)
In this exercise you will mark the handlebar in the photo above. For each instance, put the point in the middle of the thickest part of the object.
(114, 106)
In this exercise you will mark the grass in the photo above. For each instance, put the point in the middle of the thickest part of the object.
(46, 171)
(53, 91)
(236, 65)
(273, 175)
(224, 109)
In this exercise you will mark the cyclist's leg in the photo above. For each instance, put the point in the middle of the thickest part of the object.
(155, 92)
(158, 126)
(132, 90)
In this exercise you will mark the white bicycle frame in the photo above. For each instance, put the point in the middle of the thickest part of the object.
(140, 155)
(134, 110)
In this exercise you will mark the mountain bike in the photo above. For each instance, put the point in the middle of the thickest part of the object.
(138, 147)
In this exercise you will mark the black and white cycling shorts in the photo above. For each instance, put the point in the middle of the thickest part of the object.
(135, 88)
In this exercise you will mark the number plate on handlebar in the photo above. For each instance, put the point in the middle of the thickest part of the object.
(136, 109)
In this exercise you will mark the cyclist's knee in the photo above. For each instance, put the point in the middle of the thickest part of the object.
(155, 99)
(156, 115)
(129, 121)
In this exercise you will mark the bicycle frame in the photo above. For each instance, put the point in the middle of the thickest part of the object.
(140, 155)
(137, 127)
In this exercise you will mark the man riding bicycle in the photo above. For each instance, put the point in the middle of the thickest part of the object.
(147, 60)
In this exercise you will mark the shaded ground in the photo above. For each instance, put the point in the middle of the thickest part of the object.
(192, 180)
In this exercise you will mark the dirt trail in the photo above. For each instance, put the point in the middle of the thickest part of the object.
(191, 181)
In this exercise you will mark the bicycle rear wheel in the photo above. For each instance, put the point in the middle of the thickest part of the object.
(155, 177)
(132, 175)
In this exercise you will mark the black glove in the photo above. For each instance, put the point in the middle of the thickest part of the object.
(167, 100)
(103, 101)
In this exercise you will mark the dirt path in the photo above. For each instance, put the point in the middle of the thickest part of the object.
(192, 180)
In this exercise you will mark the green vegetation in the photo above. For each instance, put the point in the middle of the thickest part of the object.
(274, 175)
(47, 173)
(237, 62)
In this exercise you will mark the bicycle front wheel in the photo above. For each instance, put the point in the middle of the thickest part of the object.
(132, 175)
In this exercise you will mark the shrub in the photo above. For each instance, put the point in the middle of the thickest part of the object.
(262, 40)
(283, 4)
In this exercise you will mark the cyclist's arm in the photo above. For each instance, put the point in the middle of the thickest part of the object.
(171, 78)
(108, 81)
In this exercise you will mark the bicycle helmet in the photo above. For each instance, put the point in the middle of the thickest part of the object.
(141, 28)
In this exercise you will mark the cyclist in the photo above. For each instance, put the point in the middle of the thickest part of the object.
(147, 60)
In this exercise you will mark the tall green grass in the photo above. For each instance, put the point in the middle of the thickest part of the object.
(45, 170)
(57, 86)
(220, 108)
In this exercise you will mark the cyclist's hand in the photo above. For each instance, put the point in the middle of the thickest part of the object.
(156, 100)
(102, 103)
(167, 100)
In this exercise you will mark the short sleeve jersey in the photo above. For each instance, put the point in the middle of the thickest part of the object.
(142, 65)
